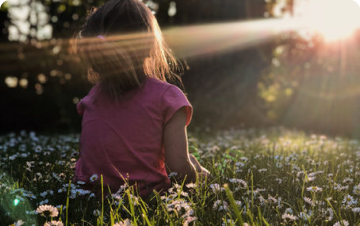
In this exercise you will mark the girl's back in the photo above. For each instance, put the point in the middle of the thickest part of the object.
(132, 123)
(124, 139)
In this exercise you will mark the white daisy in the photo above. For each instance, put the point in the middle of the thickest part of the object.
(191, 185)
(314, 189)
(47, 210)
(216, 188)
(341, 223)
(289, 217)
(19, 223)
(189, 220)
(54, 223)
(126, 222)
(94, 178)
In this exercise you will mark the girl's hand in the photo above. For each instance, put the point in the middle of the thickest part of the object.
(201, 171)
(204, 173)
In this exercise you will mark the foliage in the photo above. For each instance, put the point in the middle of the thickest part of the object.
(259, 177)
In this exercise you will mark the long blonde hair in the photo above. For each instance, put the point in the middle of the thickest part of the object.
(121, 44)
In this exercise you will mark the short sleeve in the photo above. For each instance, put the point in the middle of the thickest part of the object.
(80, 108)
(174, 99)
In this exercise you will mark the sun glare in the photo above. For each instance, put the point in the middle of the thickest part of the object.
(333, 19)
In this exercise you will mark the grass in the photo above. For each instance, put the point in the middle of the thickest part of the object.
(259, 177)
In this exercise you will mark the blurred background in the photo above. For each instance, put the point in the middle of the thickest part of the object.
(248, 63)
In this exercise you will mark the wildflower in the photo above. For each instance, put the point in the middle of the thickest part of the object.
(44, 201)
(38, 149)
(43, 194)
(12, 157)
(314, 189)
(134, 200)
(59, 207)
(244, 159)
(62, 190)
(308, 179)
(270, 198)
(279, 205)
(278, 165)
(337, 187)
(80, 191)
(289, 217)
(242, 183)
(257, 191)
(288, 211)
(80, 182)
(356, 210)
(329, 214)
(343, 222)
(92, 195)
(304, 216)
(278, 180)
(38, 176)
(309, 201)
(47, 210)
(220, 205)
(189, 220)
(178, 205)
(33, 212)
(347, 180)
(54, 223)
(18, 223)
(229, 222)
(115, 196)
(240, 164)
(96, 213)
(94, 178)
(216, 188)
(356, 189)
(299, 173)
(126, 222)
(121, 188)
(190, 212)
(262, 200)
(191, 185)
(169, 197)
(349, 200)
(172, 174)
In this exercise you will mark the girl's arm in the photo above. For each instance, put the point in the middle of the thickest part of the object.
(177, 157)
(200, 169)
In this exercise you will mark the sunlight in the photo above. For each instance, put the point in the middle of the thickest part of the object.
(333, 19)
(223, 37)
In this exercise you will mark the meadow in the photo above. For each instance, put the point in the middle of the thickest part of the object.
(259, 177)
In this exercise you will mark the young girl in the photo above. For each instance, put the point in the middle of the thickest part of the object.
(134, 122)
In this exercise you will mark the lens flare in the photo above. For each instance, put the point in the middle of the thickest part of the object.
(16, 202)
(333, 19)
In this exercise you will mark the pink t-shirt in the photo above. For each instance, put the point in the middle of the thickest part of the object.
(126, 139)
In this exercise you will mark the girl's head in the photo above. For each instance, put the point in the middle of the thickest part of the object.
(132, 49)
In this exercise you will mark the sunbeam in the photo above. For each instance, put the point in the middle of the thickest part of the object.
(191, 41)
(186, 41)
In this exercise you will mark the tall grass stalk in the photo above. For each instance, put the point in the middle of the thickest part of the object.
(233, 204)
(102, 200)
(67, 205)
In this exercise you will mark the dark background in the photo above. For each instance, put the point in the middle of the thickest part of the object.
(237, 88)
